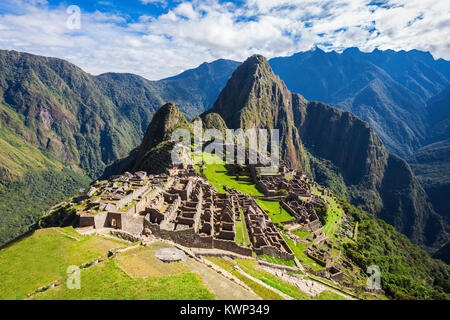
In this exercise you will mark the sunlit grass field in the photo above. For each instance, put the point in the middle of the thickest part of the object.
(44, 256)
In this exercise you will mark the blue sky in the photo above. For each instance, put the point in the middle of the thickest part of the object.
(160, 38)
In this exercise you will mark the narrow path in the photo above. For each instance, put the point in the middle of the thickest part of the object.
(285, 296)
(222, 287)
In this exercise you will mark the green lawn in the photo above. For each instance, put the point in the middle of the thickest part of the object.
(302, 234)
(334, 213)
(44, 256)
(218, 176)
(106, 281)
(290, 263)
(273, 210)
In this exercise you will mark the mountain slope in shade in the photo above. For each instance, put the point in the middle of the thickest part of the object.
(431, 163)
(387, 89)
(376, 179)
(439, 117)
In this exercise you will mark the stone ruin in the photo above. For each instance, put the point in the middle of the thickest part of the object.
(184, 208)
(170, 255)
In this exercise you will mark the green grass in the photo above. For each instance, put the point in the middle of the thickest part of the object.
(218, 176)
(302, 234)
(106, 281)
(302, 257)
(290, 263)
(334, 213)
(251, 267)
(242, 237)
(141, 262)
(43, 257)
(273, 210)
(259, 289)
(329, 295)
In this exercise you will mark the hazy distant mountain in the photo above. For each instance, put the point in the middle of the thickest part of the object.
(388, 89)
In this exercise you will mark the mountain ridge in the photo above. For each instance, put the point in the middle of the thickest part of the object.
(255, 99)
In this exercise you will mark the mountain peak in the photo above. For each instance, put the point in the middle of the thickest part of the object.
(247, 91)
(165, 120)
(255, 97)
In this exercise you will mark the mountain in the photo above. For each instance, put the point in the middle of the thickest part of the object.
(431, 163)
(194, 90)
(331, 145)
(388, 89)
(69, 124)
(255, 98)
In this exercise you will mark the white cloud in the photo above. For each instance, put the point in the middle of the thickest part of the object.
(197, 31)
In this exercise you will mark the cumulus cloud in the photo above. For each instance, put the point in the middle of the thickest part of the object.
(191, 32)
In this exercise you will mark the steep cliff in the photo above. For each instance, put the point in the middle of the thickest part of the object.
(154, 153)
(254, 97)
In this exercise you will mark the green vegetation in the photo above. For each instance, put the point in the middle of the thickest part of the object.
(302, 234)
(290, 263)
(218, 175)
(330, 214)
(300, 255)
(259, 289)
(407, 272)
(31, 180)
(106, 281)
(22, 202)
(44, 256)
(251, 267)
(242, 237)
(142, 263)
(275, 211)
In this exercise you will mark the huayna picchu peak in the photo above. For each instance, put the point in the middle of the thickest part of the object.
(315, 136)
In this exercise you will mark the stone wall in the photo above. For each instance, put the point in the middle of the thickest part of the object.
(231, 246)
(100, 219)
(274, 252)
(187, 238)
(132, 223)
(87, 221)
(126, 235)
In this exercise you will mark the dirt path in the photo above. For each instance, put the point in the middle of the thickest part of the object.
(222, 287)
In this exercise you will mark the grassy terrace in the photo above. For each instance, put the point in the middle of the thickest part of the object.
(218, 176)
(275, 211)
(242, 237)
(107, 281)
(334, 213)
(251, 267)
(136, 274)
(45, 255)
(260, 290)
(302, 257)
